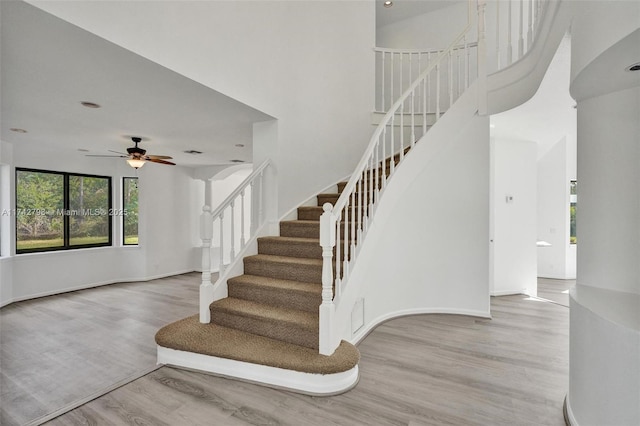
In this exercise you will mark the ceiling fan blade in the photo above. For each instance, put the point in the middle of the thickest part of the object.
(159, 157)
(154, 160)
(117, 152)
(111, 156)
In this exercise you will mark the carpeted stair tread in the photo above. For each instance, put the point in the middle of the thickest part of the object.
(290, 246)
(274, 292)
(190, 335)
(289, 325)
(284, 267)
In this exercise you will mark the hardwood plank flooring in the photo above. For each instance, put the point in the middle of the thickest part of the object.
(417, 370)
(59, 349)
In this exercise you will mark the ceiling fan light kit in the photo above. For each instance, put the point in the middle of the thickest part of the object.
(136, 163)
(137, 157)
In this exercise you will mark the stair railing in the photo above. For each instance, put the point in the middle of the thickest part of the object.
(396, 69)
(348, 220)
(517, 23)
(247, 197)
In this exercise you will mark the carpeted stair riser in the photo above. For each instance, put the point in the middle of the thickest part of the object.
(299, 328)
(295, 294)
(292, 247)
(308, 229)
(306, 270)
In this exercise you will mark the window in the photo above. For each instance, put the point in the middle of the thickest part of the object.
(130, 210)
(58, 211)
(573, 199)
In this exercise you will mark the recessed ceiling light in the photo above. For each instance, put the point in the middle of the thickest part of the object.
(240, 145)
(634, 67)
(387, 3)
(17, 130)
(89, 104)
(192, 151)
(237, 161)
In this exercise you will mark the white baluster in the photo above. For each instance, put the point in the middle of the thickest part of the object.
(437, 91)
(232, 252)
(413, 118)
(377, 175)
(401, 89)
(393, 61)
(206, 287)
(359, 217)
(482, 64)
(530, 26)
(466, 62)
(509, 44)
(401, 133)
(393, 148)
(450, 79)
(420, 72)
(221, 217)
(410, 70)
(424, 106)
(254, 218)
(338, 278)
(345, 262)
(260, 199)
(384, 147)
(429, 83)
(498, 64)
(384, 108)
(365, 188)
(353, 223)
(371, 175)
(327, 308)
(521, 31)
(243, 240)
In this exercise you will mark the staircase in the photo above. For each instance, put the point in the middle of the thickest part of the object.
(278, 317)
(271, 314)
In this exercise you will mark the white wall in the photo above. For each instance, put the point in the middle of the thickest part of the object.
(554, 176)
(429, 30)
(513, 169)
(165, 239)
(309, 64)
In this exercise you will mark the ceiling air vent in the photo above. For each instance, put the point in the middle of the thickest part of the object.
(237, 161)
(192, 152)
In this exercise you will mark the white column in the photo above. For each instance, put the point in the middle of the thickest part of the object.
(604, 375)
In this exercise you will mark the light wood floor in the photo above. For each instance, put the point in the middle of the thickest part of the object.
(555, 290)
(418, 370)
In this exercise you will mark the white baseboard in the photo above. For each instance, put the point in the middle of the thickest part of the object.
(92, 285)
(363, 332)
(569, 414)
(306, 383)
(507, 292)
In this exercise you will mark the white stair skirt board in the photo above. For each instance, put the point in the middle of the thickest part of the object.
(307, 383)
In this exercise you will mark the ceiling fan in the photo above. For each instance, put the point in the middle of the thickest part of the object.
(137, 157)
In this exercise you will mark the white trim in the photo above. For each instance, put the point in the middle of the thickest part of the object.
(93, 285)
(507, 292)
(364, 331)
(571, 417)
(307, 383)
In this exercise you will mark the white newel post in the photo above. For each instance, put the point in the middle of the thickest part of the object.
(206, 288)
(482, 60)
(327, 309)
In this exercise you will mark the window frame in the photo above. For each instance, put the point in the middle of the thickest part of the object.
(66, 206)
(125, 212)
